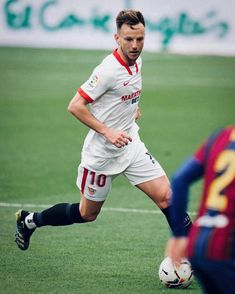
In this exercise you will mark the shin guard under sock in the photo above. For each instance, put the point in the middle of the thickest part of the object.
(61, 214)
(187, 220)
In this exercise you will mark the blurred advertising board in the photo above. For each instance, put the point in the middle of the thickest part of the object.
(175, 26)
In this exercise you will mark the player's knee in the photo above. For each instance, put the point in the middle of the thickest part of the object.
(165, 197)
(89, 217)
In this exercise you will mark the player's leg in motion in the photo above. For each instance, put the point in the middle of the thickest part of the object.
(61, 214)
(160, 192)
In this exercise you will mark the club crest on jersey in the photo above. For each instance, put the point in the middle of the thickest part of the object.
(93, 81)
(91, 191)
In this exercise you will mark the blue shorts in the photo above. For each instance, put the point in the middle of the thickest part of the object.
(216, 277)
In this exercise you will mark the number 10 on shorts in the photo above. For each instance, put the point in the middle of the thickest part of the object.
(97, 179)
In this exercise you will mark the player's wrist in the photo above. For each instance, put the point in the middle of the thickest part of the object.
(103, 130)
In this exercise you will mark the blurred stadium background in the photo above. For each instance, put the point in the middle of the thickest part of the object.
(47, 49)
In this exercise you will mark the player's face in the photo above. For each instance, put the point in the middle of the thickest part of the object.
(130, 40)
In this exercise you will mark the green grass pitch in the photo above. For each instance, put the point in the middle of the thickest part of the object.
(184, 98)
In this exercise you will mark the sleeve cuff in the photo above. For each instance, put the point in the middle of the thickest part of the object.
(85, 96)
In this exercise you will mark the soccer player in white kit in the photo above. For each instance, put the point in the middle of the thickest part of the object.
(113, 145)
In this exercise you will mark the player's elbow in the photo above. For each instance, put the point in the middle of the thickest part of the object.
(177, 178)
(178, 181)
(72, 108)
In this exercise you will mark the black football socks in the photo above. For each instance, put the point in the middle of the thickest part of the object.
(61, 214)
(187, 220)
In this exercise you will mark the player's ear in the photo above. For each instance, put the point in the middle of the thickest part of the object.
(116, 38)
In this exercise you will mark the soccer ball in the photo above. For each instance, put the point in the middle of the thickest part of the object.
(175, 278)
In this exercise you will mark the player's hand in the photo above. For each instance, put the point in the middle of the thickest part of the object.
(138, 114)
(117, 138)
(176, 249)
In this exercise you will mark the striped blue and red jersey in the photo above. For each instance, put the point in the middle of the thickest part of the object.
(213, 232)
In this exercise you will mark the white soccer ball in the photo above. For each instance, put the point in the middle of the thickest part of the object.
(171, 277)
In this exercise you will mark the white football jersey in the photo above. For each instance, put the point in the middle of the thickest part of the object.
(113, 91)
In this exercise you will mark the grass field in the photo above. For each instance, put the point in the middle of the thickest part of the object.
(184, 99)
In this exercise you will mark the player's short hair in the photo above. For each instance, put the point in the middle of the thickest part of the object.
(130, 17)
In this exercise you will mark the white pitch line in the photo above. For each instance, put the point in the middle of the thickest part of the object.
(132, 210)
(20, 205)
(125, 210)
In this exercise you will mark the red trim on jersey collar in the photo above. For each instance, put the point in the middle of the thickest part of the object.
(85, 96)
(136, 66)
(123, 63)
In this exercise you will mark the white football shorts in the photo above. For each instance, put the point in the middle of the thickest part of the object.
(95, 174)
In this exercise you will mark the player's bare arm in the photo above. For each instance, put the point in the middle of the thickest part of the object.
(138, 114)
(78, 108)
(176, 249)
